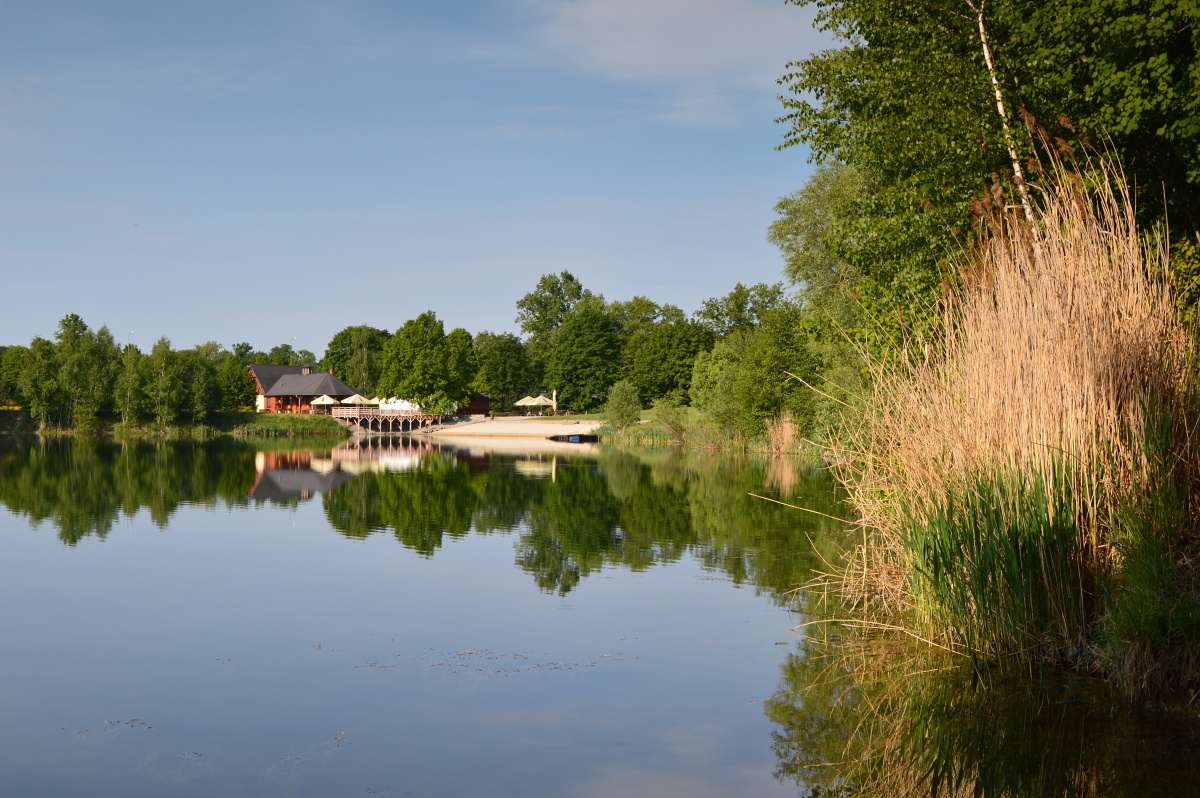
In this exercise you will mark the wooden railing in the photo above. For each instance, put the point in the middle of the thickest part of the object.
(364, 411)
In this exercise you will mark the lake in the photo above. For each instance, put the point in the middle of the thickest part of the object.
(394, 618)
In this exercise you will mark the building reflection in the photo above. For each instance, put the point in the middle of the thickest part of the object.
(287, 476)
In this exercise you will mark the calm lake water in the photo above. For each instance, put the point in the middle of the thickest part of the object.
(396, 619)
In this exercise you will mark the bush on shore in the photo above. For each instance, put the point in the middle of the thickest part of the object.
(623, 408)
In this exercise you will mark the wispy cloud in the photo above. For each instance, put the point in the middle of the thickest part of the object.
(698, 108)
(703, 54)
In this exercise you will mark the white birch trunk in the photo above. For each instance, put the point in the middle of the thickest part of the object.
(1018, 171)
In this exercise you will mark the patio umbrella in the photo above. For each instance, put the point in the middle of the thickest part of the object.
(357, 400)
(324, 400)
(526, 401)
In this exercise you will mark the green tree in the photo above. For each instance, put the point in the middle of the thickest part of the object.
(740, 309)
(415, 365)
(39, 382)
(199, 384)
(82, 376)
(584, 356)
(164, 387)
(210, 352)
(747, 378)
(355, 354)
(461, 365)
(658, 358)
(12, 361)
(935, 133)
(283, 355)
(820, 231)
(504, 372)
(130, 393)
(816, 229)
(777, 352)
(234, 385)
(714, 381)
(637, 314)
(105, 362)
(245, 354)
(623, 408)
(544, 309)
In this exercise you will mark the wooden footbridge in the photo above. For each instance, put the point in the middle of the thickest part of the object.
(376, 420)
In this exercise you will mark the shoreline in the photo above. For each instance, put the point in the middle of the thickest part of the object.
(236, 426)
(515, 428)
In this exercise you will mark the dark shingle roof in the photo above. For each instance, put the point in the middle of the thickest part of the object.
(310, 385)
(267, 375)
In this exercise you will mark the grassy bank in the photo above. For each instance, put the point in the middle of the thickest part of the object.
(236, 425)
(688, 428)
(253, 425)
(1026, 486)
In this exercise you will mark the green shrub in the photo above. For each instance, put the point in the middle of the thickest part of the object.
(623, 408)
(672, 416)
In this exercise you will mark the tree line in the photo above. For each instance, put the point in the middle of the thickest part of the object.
(730, 359)
(83, 376)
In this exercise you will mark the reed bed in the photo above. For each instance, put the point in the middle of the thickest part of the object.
(1021, 477)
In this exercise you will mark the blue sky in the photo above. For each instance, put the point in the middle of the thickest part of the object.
(276, 171)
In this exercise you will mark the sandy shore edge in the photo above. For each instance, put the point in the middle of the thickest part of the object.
(517, 428)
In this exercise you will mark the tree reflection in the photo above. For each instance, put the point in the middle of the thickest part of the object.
(571, 516)
(419, 506)
(84, 486)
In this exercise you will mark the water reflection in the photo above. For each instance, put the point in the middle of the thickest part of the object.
(860, 722)
(881, 722)
(572, 515)
(300, 474)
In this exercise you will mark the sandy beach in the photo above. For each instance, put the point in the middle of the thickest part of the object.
(536, 427)
(517, 446)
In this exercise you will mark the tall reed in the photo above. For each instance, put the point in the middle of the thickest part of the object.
(995, 472)
(782, 432)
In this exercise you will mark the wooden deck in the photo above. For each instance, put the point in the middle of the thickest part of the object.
(372, 418)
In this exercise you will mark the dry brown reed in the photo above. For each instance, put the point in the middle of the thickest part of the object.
(1057, 342)
(782, 433)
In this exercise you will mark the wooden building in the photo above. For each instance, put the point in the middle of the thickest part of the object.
(478, 405)
(291, 389)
